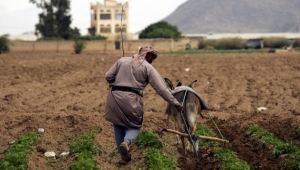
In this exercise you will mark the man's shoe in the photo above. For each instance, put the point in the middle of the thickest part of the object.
(124, 149)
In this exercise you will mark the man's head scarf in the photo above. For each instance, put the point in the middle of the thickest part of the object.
(139, 57)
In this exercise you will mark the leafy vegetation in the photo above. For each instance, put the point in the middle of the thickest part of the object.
(90, 38)
(223, 43)
(279, 147)
(148, 139)
(17, 154)
(4, 44)
(78, 46)
(275, 42)
(55, 20)
(160, 29)
(230, 159)
(84, 149)
(155, 159)
(205, 131)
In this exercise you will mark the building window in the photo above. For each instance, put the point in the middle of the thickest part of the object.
(108, 10)
(119, 16)
(105, 29)
(120, 29)
(101, 11)
(105, 16)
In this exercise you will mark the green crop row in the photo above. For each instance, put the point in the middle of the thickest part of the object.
(84, 151)
(229, 158)
(17, 154)
(279, 146)
(154, 157)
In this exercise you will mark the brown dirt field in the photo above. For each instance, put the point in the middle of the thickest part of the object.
(65, 94)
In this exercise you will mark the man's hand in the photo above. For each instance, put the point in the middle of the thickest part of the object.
(179, 107)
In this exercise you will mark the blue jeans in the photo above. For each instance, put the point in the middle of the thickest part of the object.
(127, 134)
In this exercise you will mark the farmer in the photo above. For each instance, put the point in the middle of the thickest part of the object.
(124, 107)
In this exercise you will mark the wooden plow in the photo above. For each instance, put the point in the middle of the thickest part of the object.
(200, 136)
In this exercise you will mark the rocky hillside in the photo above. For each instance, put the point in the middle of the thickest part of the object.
(236, 16)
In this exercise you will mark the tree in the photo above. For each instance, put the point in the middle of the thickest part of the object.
(4, 43)
(55, 20)
(160, 29)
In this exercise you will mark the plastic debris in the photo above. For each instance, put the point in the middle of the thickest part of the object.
(187, 69)
(41, 130)
(49, 154)
(64, 153)
(261, 108)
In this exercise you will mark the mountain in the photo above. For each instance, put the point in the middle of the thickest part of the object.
(236, 16)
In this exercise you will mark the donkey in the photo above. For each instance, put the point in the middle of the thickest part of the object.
(192, 107)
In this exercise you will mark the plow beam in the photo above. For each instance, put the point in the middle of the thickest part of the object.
(200, 136)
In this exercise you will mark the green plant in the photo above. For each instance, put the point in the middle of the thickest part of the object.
(148, 139)
(275, 42)
(17, 154)
(205, 131)
(298, 130)
(279, 147)
(155, 159)
(4, 44)
(84, 150)
(84, 143)
(78, 46)
(230, 159)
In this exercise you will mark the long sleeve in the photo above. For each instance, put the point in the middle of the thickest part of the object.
(159, 86)
(110, 75)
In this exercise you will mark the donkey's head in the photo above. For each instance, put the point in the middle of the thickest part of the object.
(192, 108)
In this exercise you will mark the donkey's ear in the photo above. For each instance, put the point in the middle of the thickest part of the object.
(193, 84)
(169, 84)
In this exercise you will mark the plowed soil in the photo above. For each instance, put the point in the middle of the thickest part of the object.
(65, 94)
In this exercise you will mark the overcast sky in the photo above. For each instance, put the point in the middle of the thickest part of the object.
(19, 16)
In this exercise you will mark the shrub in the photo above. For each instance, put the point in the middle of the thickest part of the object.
(78, 45)
(296, 43)
(275, 42)
(88, 37)
(148, 139)
(223, 43)
(231, 43)
(4, 44)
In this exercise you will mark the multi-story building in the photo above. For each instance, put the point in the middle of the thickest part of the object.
(109, 20)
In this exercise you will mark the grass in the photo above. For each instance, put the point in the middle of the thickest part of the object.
(279, 146)
(17, 154)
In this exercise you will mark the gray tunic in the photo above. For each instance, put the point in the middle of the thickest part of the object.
(126, 108)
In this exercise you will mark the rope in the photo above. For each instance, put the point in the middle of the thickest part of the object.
(215, 124)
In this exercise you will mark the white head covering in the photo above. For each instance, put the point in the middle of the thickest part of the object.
(139, 57)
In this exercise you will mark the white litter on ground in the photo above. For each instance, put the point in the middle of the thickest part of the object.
(261, 108)
(41, 130)
(64, 153)
(187, 69)
(50, 154)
